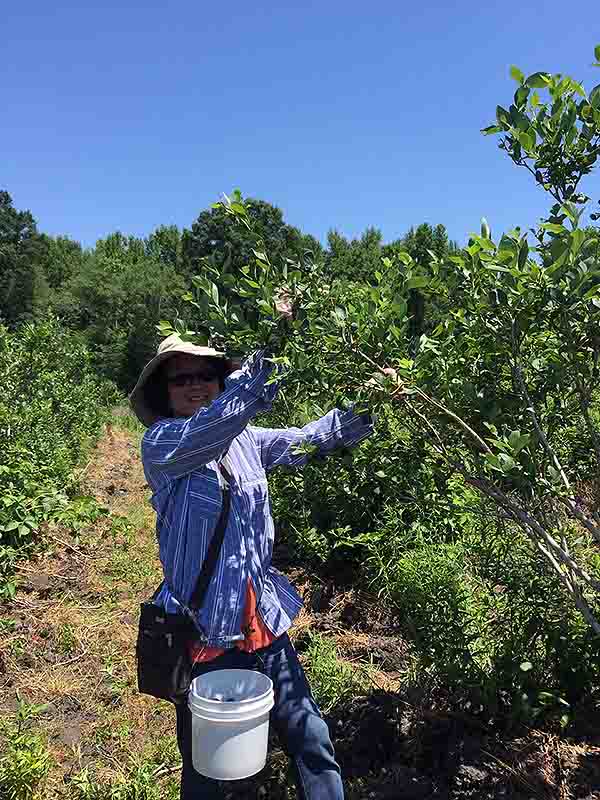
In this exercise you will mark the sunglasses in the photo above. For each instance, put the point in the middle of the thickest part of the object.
(190, 378)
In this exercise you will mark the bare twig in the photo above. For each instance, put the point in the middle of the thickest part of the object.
(75, 550)
(70, 660)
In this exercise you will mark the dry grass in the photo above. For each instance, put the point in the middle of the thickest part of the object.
(74, 642)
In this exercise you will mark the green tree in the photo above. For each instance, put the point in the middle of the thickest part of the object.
(23, 288)
(355, 259)
(522, 316)
(213, 236)
(124, 287)
(62, 259)
(165, 246)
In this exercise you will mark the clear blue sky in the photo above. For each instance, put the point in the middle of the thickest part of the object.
(126, 115)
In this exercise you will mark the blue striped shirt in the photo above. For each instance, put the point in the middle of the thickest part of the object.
(180, 462)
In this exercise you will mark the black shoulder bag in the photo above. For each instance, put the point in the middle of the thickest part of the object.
(164, 664)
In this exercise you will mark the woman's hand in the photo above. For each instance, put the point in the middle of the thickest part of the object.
(397, 385)
(284, 304)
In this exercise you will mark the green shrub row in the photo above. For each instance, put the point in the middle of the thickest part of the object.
(52, 405)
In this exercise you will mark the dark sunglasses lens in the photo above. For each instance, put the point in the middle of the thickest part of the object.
(185, 380)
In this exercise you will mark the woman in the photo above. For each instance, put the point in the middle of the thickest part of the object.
(198, 415)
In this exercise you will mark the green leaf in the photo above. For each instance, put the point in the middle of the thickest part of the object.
(503, 117)
(539, 80)
(521, 96)
(417, 282)
(597, 52)
(516, 74)
(523, 254)
(506, 462)
(214, 292)
(265, 307)
(552, 227)
(491, 129)
(577, 239)
(527, 139)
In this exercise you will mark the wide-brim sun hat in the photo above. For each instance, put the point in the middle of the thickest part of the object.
(168, 348)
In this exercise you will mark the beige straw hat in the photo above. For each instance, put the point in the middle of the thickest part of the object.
(167, 348)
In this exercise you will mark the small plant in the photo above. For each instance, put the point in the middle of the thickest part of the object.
(7, 624)
(66, 639)
(81, 512)
(140, 783)
(124, 419)
(332, 680)
(25, 764)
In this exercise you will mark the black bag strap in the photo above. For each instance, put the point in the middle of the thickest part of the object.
(214, 548)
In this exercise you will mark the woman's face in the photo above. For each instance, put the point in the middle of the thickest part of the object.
(193, 383)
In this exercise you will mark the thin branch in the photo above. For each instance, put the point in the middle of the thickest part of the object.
(585, 393)
(461, 423)
(532, 526)
(583, 518)
(538, 428)
(573, 589)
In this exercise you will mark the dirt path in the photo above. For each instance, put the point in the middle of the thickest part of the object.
(68, 642)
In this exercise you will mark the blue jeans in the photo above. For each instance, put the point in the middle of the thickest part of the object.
(295, 716)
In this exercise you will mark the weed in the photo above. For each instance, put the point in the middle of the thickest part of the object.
(81, 512)
(66, 639)
(332, 680)
(25, 765)
(140, 783)
(7, 624)
(16, 647)
(126, 420)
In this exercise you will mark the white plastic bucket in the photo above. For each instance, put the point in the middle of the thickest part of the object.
(230, 722)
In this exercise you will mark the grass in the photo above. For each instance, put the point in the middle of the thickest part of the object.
(333, 680)
(26, 761)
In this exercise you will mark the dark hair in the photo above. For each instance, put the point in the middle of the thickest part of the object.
(156, 391)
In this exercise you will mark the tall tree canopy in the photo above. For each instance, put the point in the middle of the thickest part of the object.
(124, 287)
(214, 236)
(354, 259)
(22, 282)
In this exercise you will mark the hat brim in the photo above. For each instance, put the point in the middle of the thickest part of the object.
(137, 399)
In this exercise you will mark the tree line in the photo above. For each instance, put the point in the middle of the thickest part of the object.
(116, 292)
